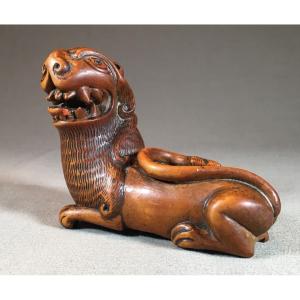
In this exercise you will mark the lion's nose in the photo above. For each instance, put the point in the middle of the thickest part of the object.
(60, 66)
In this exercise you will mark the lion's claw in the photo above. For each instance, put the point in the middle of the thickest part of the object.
(184, 235)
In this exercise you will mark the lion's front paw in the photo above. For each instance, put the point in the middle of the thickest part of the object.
(67, 216)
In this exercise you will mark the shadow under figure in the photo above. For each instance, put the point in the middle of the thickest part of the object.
(117, 183)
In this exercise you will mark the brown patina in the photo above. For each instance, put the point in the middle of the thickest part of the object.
(117, 183)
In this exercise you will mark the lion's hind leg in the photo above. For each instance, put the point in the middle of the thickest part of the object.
(236, 218)
(190, 236)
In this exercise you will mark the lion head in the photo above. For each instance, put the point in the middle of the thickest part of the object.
(85, 85)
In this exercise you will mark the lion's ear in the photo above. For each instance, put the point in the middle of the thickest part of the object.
(119, 68)
(125, 95)
(126, 100)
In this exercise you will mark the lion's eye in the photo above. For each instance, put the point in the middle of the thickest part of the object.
(98, 62)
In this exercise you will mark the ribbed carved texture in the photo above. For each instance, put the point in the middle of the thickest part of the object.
(90, 172)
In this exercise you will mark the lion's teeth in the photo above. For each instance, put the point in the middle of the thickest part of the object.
(62, 118)
(84, 94)
(70, 116)
(95, 103)
(50, 96)
(97, 95)
(80, 113)
(57, 95)
(95, 111)
(69, 95)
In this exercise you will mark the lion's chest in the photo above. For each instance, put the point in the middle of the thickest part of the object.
(89, 171)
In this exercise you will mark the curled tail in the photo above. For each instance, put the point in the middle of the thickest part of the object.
(158, 164)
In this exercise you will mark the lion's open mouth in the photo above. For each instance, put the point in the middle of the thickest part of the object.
(82, 104)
